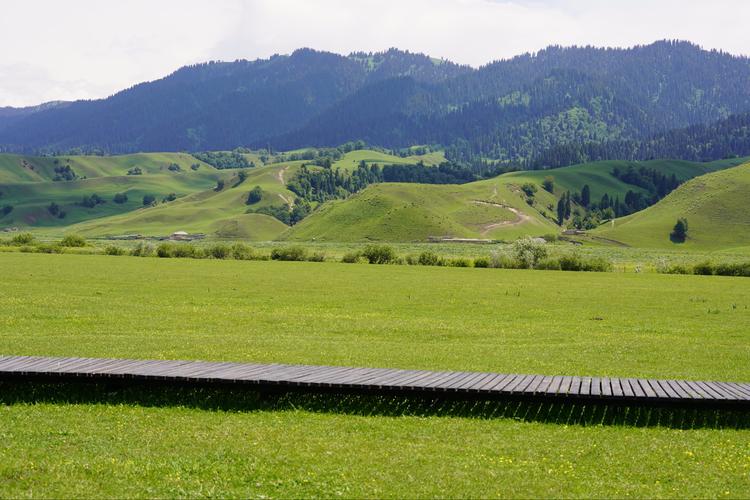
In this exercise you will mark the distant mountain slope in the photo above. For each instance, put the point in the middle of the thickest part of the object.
(511, 110)
(715, 206)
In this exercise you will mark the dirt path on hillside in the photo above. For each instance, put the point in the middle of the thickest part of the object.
(520, 217)
(280, 175)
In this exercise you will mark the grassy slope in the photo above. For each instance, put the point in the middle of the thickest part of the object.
(714, 204)
(350, 160)
(520, 321)
(598, 175)
(30, 200)
(18, 168)
(221, 213)
(415, 212)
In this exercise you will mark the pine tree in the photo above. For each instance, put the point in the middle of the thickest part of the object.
(586, 196)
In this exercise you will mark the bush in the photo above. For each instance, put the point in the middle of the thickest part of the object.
(550, 265)
(482, 262)
(149, 200)
(48, 248)
(6, 210)
(379, 254)
(219, 251)
(254, 196)
(73, 240)
(733, 269)
(679, 232)
(502, 261)
(294, 253)
(528, 252)
(22, 239)
(459, 262)
(120, 198)
(185, 251)
(142, 249)
(165, 250)
(678, 269)
(430, 259)
(317, 257)
(529, 189)
(113, 250)
(240, 251)
(703, 268)
(351, 257)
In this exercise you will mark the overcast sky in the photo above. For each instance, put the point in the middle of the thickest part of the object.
(76, 49)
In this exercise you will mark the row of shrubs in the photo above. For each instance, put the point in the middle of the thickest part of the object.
(518, 259)
(28, 243)
(525, 254)
(710, 269)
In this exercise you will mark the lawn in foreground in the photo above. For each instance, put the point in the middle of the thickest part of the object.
(394, 316)
(600, 324)
(85, 450)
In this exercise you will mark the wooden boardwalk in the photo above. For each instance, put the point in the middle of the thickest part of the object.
(383, 381)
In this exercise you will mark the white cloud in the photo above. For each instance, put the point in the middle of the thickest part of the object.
(86, 48)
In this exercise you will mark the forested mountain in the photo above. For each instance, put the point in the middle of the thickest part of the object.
(725, 138)
(527, 110)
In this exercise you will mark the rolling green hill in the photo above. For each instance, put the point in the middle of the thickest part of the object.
(715, 206)
(489, 209)
(416, 212)
(18, 168)
(350, 160)
(599, 179)
(219, 213)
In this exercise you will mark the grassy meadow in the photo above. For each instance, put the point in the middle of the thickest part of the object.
(388, 316)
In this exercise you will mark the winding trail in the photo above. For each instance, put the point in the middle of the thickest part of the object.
(520, 217)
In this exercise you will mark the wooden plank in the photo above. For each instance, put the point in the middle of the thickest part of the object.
(534, 385)
(554, 386)
(523, 382)
(627, 389)
(596, 386)
(681, 393)
(575, 386)
(503, 384)
(585, 389)
(617, 390)
(657, 389)
(667, 389)
(491, 382)
(565, 385)
(716, 391)
(606, 386)
(646, 388)
(698, 390)
(744, 389)
(478, 382)
(736, 394)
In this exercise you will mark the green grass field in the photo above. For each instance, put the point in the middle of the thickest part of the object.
(714, 204)
(389, 316)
